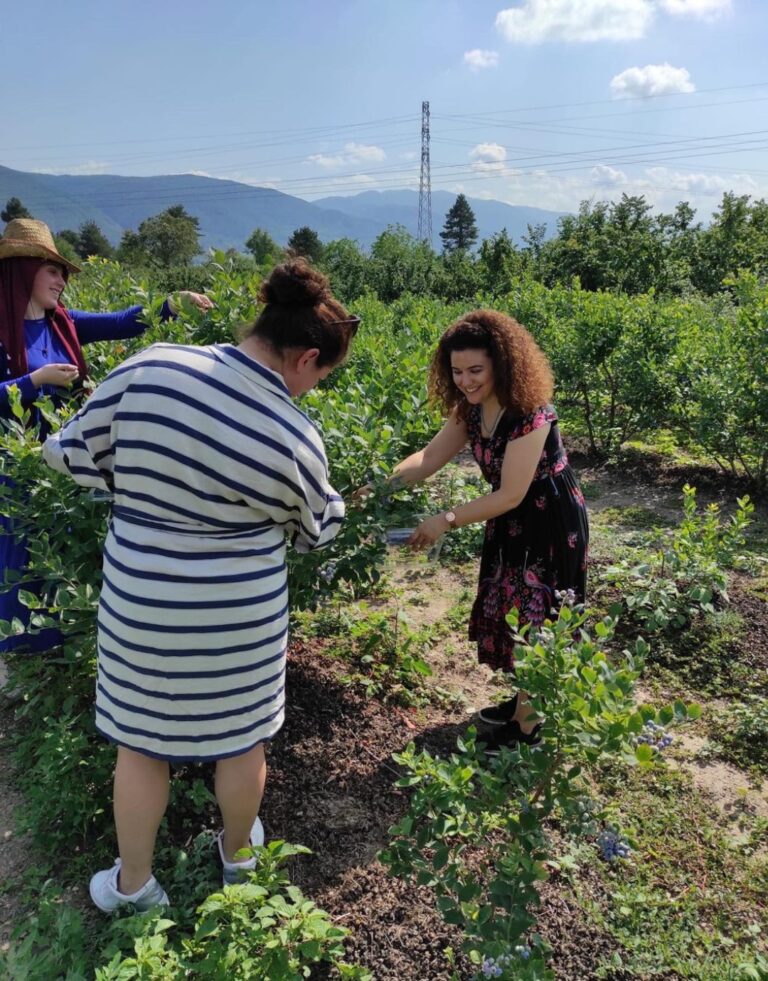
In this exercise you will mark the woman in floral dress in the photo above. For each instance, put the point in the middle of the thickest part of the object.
(495, 386)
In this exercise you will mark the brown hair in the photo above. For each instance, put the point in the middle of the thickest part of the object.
(301, 312)
(522, 376)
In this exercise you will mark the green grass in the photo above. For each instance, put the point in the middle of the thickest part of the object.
(686, 903)
(630, 517)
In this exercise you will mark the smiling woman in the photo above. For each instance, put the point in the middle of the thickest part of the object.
(41, 353)
(495, 384)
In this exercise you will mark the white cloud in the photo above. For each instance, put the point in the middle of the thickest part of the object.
(603, 174)
(706, 9)
(353, 153)
(700, 184)
(488, 156)
(639, 83)
(575, 20)
(477, 59)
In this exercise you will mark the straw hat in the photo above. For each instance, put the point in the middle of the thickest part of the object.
(31, 238)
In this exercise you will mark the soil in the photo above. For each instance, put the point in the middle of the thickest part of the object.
(331, 778)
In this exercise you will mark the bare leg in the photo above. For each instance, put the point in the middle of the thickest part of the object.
(239, 789)
(525, 715)
(140, 799)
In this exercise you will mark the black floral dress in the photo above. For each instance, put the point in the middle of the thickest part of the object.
(532, 550)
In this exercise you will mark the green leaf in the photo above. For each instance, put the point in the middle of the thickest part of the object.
(644, 753)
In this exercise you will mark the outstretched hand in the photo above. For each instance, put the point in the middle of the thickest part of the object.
(428, 532)
(199, 300)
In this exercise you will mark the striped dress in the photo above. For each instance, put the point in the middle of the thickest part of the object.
(211, 467)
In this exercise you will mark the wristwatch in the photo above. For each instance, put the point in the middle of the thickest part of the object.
(450, 517)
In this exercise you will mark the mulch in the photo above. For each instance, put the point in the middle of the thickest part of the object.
(331, 787)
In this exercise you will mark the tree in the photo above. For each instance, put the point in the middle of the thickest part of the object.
(65, 248)
(499, 261)
(171, 238)
(14, 209)
(736, 239)
(131, 251)
(346, 267)
(306, 242)
(92, 241)
(68, 235)
(400, 264)
(460, 229)
(263, 247)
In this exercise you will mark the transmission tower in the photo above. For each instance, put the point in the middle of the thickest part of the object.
(425, 183)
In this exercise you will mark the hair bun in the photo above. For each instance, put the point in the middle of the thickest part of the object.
(295, 283)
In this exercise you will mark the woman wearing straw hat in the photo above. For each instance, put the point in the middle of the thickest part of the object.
(41, 353)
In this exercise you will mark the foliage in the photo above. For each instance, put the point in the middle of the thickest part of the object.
(466, 803)
(386, 655)
(168, 239)
(92, 241)
(306, 242)
(400, 264)
(54, 943)
(263, 247)
(259, 931)
(741, 733)
(14, 209)
(736, 240)
(346, 268)
(263, 929)
(664, 589)
(459, 232)
(721, 384)
(64, 246)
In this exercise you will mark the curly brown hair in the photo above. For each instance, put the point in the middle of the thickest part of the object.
(522, 375)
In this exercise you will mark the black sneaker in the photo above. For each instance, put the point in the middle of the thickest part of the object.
(498, 715)
(510, 734)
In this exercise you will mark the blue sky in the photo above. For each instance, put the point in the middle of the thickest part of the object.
(538, 102)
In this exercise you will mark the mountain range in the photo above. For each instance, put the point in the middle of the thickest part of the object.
(229, 211)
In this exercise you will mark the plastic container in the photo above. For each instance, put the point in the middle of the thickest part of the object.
(398, 536)
(401, 536)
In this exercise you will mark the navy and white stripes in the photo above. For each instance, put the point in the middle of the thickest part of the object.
(211, 466)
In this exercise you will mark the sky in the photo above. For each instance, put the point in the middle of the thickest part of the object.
(532, 102)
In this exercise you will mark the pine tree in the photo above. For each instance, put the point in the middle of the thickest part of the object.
(306, 242)
(14, 209)
(92, 241)
(460, 230)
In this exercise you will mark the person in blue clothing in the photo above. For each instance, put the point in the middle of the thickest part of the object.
(41, 353)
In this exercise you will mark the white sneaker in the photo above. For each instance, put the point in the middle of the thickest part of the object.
(107, 896)
(234, 872)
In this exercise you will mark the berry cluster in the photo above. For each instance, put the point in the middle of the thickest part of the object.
(493, 967)
(328, 571)
(566, 597)
(654, 735)
(612, 846)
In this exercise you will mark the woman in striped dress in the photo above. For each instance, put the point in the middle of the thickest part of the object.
(211, 466)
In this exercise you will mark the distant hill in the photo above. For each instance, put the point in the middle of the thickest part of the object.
(229, 211)
(402, 207)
